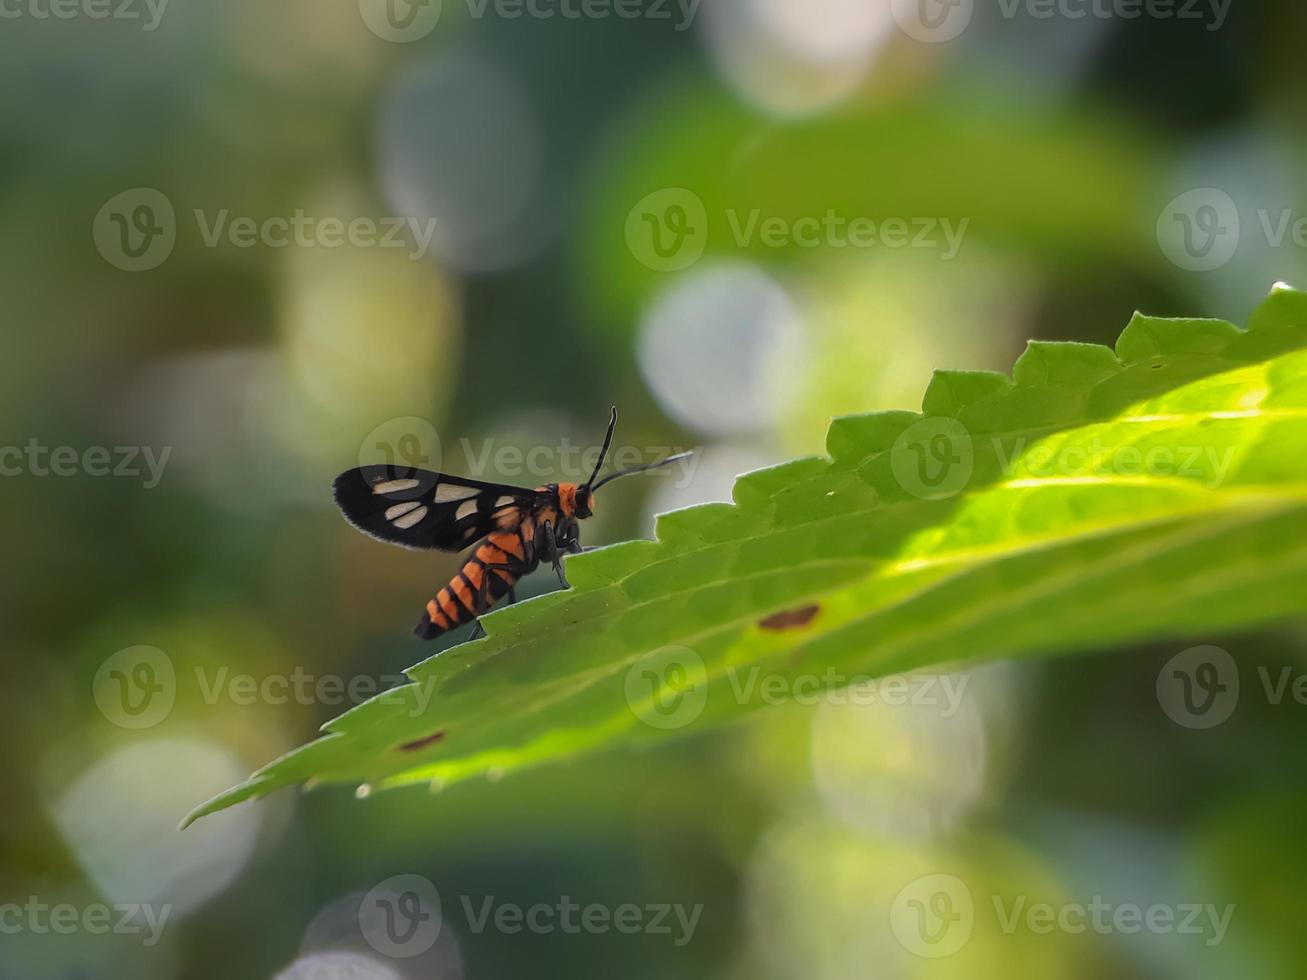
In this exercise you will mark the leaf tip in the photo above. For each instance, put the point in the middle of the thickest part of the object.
(950, 392)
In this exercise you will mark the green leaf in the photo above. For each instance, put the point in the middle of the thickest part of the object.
(1094, 498)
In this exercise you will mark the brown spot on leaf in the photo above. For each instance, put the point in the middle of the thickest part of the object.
(422, 743)
(790, 619)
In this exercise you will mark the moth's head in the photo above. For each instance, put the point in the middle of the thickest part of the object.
(583, 503)
(573, 501)
(583, 498)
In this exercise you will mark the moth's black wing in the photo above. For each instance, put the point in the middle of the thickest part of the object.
(419, 509)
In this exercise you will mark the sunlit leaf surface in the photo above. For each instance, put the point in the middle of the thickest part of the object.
(1095, 497)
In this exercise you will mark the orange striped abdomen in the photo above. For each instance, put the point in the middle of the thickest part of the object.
(494, 568)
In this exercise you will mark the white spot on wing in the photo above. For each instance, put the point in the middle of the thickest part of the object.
(408, 520)
(505, 501)
(449, 492)
(465, 510)
(399, 510)
(395, 486)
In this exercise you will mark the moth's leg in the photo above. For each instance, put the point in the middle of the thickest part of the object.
(546, 548)
(482, 604)
(484, 601)
(572, 545)
(569, 538)
(551, 554)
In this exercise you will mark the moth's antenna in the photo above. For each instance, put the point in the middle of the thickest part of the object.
(608, 441)
(640, 469)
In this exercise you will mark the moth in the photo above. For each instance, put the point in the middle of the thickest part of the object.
(509, 530)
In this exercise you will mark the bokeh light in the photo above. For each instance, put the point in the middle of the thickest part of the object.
(339, 966)
(792, 60)
(458, 144)
(930, 758)
(717, 347)
(121, 823)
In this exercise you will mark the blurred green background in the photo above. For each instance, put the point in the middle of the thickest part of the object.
(732, 220)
